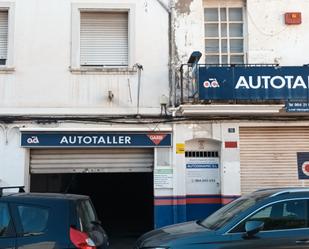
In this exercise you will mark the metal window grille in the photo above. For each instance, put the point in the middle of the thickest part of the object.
(201, 154)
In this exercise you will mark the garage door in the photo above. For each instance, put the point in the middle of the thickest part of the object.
(268, 156)
(91, 160)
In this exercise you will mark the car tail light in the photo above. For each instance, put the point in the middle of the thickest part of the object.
(81, 240)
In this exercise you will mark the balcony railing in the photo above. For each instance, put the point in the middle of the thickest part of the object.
(241, 83)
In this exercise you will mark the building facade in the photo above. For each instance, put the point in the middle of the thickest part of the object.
(245, 100)
(98, 98)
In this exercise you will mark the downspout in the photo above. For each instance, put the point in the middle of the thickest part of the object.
(172, 79)
(171, 49)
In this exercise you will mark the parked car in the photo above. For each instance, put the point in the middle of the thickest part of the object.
(49, 221)
(271, 218)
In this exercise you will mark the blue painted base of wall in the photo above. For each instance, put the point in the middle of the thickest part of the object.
(169, 214)
(201, 211)
(170, 210)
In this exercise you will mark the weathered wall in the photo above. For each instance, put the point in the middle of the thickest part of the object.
(267, 38)
(272, 41)
(189, 29)
(42, 82)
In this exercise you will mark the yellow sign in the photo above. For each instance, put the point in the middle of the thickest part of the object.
(180, 148)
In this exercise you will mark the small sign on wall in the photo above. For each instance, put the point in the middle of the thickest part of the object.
(163, 177)
(180, 148)
(303, 165)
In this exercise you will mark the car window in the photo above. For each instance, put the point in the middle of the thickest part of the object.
(5, 219)
(222, 216)
(86, 215)
(283, 215)
(33, 219)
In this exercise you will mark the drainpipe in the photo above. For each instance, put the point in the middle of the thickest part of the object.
(139, 69)
(171, 49)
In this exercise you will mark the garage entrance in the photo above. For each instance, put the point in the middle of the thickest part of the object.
(119, 182)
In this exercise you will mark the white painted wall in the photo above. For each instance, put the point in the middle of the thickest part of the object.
(189, 29)
(42, 82)
(229, 157)
(13, 170)
(268, 38)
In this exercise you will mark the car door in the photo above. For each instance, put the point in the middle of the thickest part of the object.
(32, 227)
(7, 230)
(285, 227)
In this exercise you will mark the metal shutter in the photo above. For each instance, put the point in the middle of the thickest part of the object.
(268, 156)
(104, 38)
(3, 34)
(91, 160)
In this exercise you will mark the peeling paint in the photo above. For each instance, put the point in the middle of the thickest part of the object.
(183, 6)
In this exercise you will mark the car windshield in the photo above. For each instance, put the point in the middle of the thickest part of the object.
(222, 216)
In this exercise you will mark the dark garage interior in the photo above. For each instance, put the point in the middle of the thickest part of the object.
(123, 201)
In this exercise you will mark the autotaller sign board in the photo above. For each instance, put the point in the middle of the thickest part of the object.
(95, 139)
(253, 83)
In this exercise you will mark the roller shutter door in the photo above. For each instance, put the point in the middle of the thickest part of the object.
(91, 160)
(104, 38)
(3, 34)
(268, 156)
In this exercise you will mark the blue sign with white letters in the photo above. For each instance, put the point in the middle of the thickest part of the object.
(292, 106)
(95, 139)
(253, 83)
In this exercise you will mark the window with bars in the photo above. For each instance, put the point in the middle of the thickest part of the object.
(224, 35)
(201, 154)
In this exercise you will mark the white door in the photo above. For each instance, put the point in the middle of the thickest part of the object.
(202, 173)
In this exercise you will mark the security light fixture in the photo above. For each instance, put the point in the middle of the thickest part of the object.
(194, 58)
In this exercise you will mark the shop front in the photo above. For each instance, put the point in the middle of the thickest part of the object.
(116, 169)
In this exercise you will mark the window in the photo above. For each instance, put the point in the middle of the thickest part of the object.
(104, 38)
(291, 214)
(33, 219)
(3, 36)
(4, 220)
(224, 35)
(86, 215)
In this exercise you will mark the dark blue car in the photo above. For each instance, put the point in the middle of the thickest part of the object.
(49, 221)
(271, 218)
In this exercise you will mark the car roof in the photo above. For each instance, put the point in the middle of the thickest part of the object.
(42, 196)
(271, 192)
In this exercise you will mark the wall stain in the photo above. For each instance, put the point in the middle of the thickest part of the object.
(183, 6)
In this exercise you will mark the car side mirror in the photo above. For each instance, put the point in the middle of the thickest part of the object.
(252, 227)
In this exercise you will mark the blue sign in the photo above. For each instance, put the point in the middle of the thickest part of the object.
(95, 139)
(292, 106)
(303, 165)
(202, 166)
(253, 83)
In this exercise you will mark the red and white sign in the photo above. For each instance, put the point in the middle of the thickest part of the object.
(156, 138)
(305, 168)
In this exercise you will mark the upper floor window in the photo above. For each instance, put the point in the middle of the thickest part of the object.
(3, 37)
(224, 35)
(104, 39)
